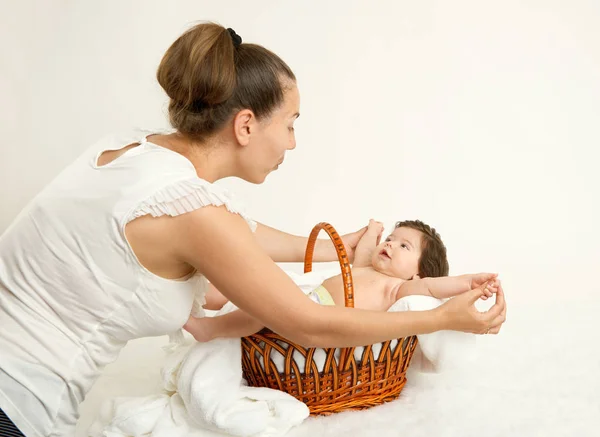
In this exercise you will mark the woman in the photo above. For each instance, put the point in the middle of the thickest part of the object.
(117, 246)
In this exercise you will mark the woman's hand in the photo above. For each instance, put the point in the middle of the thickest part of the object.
(460, 313)
(490, 282)
(375, 228)
(351, 241)
(200, 328)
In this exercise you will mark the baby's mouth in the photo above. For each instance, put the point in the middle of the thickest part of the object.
(385, 254)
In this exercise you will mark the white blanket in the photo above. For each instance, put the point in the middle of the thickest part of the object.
(205, 394)
(439, 351)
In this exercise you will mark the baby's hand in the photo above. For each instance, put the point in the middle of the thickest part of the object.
(490, 280)
(490, 288)
(375, 228)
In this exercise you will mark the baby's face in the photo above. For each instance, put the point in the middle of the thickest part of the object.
(399, 254)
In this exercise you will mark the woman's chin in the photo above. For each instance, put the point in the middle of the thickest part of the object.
(268, 173)
(256, 179)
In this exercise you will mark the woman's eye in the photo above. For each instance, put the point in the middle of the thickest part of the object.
(404, 246)
(291, 129)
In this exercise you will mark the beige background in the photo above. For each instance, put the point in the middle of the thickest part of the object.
(478, 117)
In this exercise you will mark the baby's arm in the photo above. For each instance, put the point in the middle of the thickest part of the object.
(367, 243)
(235, 324)
(449, 286)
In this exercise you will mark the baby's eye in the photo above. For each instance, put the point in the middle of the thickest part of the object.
(387, 239)
(291, 129)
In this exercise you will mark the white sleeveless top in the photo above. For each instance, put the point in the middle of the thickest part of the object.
(72, 292)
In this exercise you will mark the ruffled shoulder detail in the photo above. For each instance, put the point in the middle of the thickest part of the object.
(189, 195)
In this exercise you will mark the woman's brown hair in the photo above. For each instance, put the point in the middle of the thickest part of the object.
(209, 75)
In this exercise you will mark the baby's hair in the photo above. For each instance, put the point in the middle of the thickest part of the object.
(434, 261)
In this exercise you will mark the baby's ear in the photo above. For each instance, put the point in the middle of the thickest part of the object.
(416, 277)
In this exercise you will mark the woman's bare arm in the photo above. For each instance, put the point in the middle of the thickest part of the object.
(220, 245)
(235, 324)
(214, 299)
(284, 247)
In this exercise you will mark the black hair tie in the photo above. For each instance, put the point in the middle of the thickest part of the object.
(237, 40)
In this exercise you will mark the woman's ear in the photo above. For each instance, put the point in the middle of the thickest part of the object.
(243, 126)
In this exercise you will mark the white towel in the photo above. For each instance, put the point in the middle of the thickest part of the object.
(222, 402)
(205, 395)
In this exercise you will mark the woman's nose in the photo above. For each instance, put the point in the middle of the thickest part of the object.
(292, 145)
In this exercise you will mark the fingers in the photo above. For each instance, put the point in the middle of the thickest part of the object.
(498, 307)
(491, 287)
(487, 291)
(495, 330)
(374, 224)
(490, 322)
(362, 231)
(501, 291)
(486, 276)
(475, 294)
(496, 315)
(497, 323)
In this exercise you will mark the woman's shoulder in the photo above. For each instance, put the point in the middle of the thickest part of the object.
(188, 194)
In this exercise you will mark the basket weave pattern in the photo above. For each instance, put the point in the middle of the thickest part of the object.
(343, 382)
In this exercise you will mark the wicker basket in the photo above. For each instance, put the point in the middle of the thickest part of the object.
(344, 382)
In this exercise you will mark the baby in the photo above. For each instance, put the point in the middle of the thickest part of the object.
(410, 261)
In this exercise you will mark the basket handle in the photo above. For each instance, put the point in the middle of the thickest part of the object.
(342, 258)
(345, 353)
